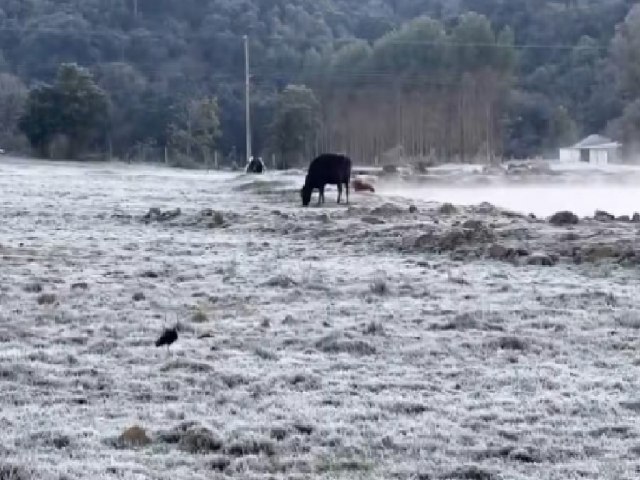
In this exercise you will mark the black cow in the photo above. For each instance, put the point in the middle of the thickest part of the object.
(327, 169)
(255, 166)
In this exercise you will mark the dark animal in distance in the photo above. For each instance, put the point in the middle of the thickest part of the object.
(360, 185)
(255, 166)
(326, 169)
(169, 336)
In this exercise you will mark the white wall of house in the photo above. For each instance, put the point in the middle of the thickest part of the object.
(596, 156)
(599, 157)
(569, 155)
(593, 150)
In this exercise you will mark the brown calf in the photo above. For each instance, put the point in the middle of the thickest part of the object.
(360, 185)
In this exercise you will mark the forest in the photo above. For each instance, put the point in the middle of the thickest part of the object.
(441, 80)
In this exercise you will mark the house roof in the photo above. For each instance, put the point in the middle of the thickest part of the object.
(596, 141)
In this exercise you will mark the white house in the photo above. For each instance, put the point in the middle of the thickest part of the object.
(595, 150)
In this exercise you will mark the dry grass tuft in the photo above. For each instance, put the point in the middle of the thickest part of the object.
(134, 437)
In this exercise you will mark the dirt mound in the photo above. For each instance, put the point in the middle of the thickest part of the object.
(192, 437)
(564, 218)
(157, 215)
(471, 233)
(135, 436)
(208, 218)
(337, 343)
(388, 210)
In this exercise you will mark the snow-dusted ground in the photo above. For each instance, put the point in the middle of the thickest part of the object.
(313, 345)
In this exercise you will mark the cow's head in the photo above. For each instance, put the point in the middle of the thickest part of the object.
(305, 193)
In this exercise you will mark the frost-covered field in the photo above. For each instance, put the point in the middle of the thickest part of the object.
(313, 343)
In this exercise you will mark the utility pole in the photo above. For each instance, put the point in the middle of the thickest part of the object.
(489, 132)
(247, 93)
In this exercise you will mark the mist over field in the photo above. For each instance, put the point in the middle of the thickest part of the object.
(540, 199)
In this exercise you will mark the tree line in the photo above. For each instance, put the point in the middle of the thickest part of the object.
(428, 79)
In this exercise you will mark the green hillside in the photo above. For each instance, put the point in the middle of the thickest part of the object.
(439, 78)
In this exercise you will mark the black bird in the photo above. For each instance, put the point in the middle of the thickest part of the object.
(169, 336)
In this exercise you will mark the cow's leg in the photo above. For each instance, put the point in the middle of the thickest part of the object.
(320, 195)
(339, 191)
(347, 185)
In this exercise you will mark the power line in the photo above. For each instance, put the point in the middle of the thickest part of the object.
(264, 75)
(91, 33)
(451, 43)
(517, 46)
(379, 79)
